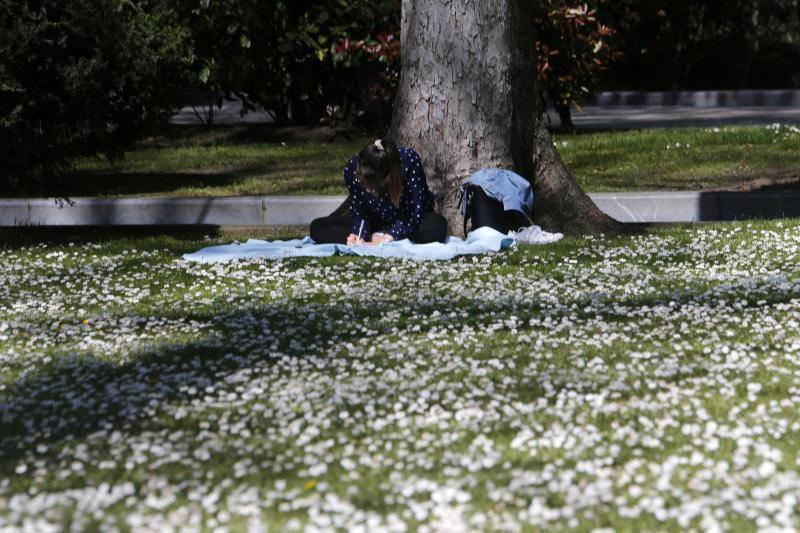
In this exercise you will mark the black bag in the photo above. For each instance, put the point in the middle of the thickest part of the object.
(486, 211)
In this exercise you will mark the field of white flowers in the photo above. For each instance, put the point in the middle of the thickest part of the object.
(641, 382)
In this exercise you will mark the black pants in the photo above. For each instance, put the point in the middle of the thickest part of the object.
(335, 229)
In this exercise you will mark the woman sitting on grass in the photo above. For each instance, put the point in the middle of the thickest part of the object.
(389, 201)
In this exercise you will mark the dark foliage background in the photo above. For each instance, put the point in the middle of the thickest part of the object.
(709, 44)
(288, 57)
(90, 77)
(82, 77)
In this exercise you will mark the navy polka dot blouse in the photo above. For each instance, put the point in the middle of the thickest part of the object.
(378, 213)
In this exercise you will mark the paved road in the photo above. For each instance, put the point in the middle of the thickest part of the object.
(590, 117)
(230, 114)
(634, 117)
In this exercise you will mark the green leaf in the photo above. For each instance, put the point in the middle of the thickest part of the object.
(244, 41)
(205, 74)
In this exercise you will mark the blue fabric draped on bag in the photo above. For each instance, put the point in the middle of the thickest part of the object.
(512, 190)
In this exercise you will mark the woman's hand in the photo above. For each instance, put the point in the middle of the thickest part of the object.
(355, 240)
(379, 238)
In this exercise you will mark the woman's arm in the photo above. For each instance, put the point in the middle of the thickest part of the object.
(358, 208)
(411, 214)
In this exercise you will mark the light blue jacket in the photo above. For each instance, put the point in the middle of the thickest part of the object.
(511, 189)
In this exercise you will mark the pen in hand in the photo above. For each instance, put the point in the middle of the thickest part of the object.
(360, 229)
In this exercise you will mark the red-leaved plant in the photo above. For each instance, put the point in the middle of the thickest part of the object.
(376, 64)
(572, 48)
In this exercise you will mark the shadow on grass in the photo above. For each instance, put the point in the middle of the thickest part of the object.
(25, 236)
(110, 183)
(761, 204)
(175, 135)
(598, 159)
(176, 239)
(79, 394)
(82, 393)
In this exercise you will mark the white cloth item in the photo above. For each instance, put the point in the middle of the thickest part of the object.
(535, 235)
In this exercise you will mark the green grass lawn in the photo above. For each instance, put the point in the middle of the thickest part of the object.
(683, 159)
(220, 170)
(664, 159)
(641, 382)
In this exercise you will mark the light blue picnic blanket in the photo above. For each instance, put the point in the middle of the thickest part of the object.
(480, 241)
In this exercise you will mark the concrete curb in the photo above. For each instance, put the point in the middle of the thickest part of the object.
(774, 98)
(698, 206)
(301, 210)
(239, 210)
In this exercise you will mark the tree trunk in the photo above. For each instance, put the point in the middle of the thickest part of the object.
(565, 117)
(751, 43)
(467, 100)
(561, 205)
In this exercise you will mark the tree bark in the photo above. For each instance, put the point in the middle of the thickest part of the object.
(565, 118)
(467, 100)
(561, 205)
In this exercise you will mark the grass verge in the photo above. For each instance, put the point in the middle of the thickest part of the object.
(666, 159)
(636, 382)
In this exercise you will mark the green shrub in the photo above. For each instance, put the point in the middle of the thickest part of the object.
(573, 48)
(284, 55)
(82, 77)
(714, 44)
